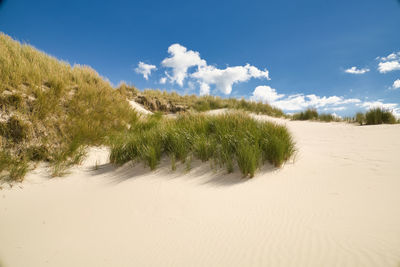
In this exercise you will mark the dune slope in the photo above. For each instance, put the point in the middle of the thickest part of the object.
(336, 205)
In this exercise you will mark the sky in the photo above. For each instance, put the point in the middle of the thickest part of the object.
(338, 56)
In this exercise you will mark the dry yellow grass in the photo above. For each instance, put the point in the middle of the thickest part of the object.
(50, 110)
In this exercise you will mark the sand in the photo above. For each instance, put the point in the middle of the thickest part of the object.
(337, 204)
(138, 107)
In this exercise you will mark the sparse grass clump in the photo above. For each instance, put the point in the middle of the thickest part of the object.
(229, 140)
(12, 168)
(360, 118)
(309, 114)
(312, 114)
(326, 117)
(379, 116)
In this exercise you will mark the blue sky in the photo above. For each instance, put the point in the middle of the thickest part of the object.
(297, 51)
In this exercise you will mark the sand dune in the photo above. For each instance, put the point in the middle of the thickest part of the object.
(336, 205)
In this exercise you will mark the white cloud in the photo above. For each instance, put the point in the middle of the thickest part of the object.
(378, 104)
(204, 89)
(392, 56)
(265, 94)
(354, 70)
(163, 80)
(351, 101)
(389, 63)
(223, 79)
(145, 69)
(180, 61)
(396, 84)
(296, 102)
(384, 67)
(335, 108)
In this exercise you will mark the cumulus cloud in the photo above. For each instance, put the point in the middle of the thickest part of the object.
(223, 79)
(145, 69)
(335, 109)
(354, 70)
(265, 94)
(384, 67)
(204, 89)
(180, 61)
(392, 56)
(378, 104)
(163, 80)
(396, 84)
(296, 102)
(389, 63)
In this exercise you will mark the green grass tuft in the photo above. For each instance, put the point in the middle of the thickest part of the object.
(379, 116)
(228, 140)
(312, 114)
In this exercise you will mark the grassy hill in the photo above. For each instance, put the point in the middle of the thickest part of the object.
(51, 111)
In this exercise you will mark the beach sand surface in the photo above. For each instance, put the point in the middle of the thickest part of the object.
(337, 203)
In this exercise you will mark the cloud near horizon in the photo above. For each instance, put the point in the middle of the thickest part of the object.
(145, 69)
(297, 102)
(354, 70)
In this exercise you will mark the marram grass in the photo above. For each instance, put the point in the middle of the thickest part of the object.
(379, 116)
(50, 111)
(232, 139)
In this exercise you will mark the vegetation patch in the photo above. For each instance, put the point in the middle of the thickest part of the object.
(312, 114)
(171, 102)
(375, 116)
(50, 111)
(229, 140)
(379, 116)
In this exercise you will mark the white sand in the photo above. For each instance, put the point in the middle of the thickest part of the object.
(138, 107)
(337, 205)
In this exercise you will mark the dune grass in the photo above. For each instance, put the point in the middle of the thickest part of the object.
(312, 114)
(379, 116)
(198, 103)
(229, 140)
(309, 114)
(371, 117)
(375, 116)
(360, 118)
(49, 111)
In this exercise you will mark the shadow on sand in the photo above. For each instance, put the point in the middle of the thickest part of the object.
(204, 173)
